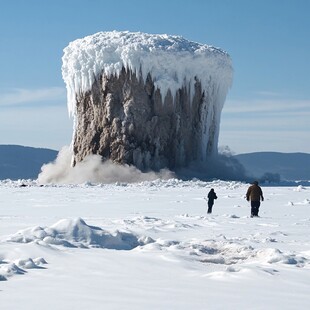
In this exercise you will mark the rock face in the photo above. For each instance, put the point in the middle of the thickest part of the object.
(126, 116)
(124, 119)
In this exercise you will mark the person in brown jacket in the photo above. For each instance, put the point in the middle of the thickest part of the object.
(254, 194)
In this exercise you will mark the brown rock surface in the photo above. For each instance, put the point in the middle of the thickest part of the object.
(124, 119)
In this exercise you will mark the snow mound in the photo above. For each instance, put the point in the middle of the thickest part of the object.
(17, 267)
(76, 233)
(272, 256)
(172, 61)
(225, 252)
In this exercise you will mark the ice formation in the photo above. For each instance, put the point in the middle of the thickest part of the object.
(153, 71)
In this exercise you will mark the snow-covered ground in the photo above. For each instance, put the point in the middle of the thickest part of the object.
(153, 246)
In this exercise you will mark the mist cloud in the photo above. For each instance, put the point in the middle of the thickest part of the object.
(93, 169)
(221, 167)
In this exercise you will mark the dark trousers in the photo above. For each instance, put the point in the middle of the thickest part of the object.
(255, 208)
(210, 205)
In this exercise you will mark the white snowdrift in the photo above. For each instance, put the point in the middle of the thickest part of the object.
(76, 233)
(189, 259)
(9, 268)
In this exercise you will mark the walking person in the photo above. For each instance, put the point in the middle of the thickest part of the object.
(255, 195)
(211, 197)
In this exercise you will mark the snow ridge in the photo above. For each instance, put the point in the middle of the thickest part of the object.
(172, 61)
(74, 233)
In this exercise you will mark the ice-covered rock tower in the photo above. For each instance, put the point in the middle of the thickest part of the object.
(152, 101)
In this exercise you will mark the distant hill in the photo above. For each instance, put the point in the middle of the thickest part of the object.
(22, 162)
(289, 166)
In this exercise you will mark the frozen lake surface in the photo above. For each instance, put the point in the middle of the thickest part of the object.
(152, 245)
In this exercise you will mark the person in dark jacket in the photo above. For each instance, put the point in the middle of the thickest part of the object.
(211, 197)
(254, 194)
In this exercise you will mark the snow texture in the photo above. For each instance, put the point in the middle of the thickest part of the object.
(76, 233)
(172, 61)
(151, 245)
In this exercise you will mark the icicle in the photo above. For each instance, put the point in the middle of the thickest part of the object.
(172, 62)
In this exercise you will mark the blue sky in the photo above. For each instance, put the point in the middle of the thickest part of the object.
(267, 108)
